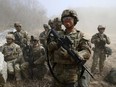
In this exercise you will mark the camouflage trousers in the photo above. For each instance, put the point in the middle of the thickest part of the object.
(67, 74)
(38, 70)
(99, 58)
(14, 69)
(25, 70)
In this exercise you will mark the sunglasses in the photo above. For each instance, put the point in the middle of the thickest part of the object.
(67, 18)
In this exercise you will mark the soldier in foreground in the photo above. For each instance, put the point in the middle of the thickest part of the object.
(12, 55)
(99, 40)
(37, 63)
(65, 68)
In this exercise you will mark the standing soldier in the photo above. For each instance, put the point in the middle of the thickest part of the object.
(38, 55)
(99, 40)
(51, 24)
(66, 69)
(12, 55)
(21, 38)
(58, 24)
(44, 34)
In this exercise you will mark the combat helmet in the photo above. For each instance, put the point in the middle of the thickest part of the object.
(45, 26)
(57, 21)
(17, 24)
(51, 23)
(10, 36)
(70, 13)
(100, 27)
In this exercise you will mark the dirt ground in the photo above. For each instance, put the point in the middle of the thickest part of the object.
(98, 82)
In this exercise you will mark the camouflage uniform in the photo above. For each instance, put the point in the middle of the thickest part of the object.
(51, 24)
(99, 40)
(22, 34)
(57, 24)
(38, 66)
(12, 55)
(24, 38)
(65, 69)
(21, 38)
(43, 35)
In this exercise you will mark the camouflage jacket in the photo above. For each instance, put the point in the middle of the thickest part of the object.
(43, 37)
(80, 45)
(38, 54)
(100, 40)
(12, 51)
(21, 38)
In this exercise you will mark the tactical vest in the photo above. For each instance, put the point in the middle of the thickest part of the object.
(10, 52)
(21, 38)
(76, 39)
(102, 43)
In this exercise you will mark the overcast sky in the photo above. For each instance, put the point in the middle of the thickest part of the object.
(55, 7)
(91, 13)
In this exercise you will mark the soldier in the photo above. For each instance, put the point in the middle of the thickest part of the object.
(58, 24)
(22, 35)
(21, 38)
(66, 69)
(99, 40)
(51, 24)
(44, 34)
(39, 57)
(12, 55)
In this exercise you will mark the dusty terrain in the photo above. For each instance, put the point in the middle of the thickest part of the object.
(99, 82)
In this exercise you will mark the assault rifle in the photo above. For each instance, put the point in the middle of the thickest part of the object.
(66, 44)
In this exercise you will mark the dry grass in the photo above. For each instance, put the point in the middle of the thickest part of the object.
(29, 83)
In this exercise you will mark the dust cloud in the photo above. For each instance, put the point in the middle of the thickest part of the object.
(90, 18)
(30, 13)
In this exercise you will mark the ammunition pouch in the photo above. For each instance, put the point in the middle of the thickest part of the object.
(108, 51)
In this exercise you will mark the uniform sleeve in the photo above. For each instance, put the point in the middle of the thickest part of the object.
(107, 40)
(41, 36)
(84, 49)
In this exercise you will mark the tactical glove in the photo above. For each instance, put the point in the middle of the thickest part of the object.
(63, 52)
(52, 46)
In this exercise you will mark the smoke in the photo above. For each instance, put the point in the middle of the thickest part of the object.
(30, 13)
(90, 18)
